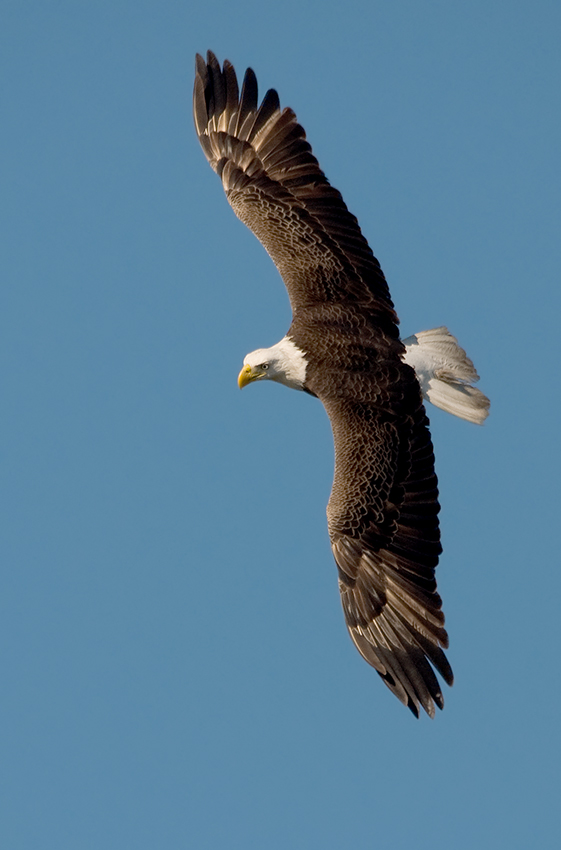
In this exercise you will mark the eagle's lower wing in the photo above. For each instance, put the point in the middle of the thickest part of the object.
(383, 526)
(276, 187)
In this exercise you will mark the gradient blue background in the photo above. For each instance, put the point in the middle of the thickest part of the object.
(176, 672)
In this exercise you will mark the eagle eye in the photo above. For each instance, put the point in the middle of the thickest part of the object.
(264, 366)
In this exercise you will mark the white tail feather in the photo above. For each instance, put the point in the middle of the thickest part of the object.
(446, 374)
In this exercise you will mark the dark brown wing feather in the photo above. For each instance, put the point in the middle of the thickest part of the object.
(383, 525)
(276, 187)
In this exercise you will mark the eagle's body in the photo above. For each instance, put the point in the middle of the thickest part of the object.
(343, 346)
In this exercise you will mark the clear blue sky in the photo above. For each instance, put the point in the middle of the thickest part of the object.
(176, 672)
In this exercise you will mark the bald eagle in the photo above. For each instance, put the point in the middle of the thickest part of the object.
(343, 347)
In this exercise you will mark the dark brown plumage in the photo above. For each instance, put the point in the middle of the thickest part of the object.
(383, 509)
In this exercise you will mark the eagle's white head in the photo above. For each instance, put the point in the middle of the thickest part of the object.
(283, 362)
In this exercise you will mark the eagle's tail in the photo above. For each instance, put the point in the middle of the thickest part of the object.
(446, 374)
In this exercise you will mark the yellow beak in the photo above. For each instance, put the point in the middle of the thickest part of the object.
(245, 377)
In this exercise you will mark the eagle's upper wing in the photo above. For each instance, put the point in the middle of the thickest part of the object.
(276, 187)
(383, 526)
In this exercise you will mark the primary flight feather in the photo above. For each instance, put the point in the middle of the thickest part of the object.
(343, 347)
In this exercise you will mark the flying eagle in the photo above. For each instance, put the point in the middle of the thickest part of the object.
(343, 347)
